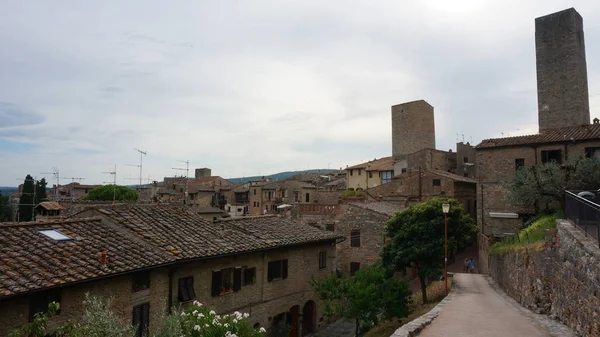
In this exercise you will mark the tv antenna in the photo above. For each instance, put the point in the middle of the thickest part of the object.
(142, 154)
(186, 169)
(56, 175)
(114, 174)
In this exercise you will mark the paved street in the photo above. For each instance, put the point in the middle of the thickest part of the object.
(477, 309)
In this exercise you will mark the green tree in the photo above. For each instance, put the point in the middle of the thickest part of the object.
(365, 297)
(40, 191)
(27, 200)
(39, 326)
(417, 238)
(542, 186)
(107, 192)
(5, 209)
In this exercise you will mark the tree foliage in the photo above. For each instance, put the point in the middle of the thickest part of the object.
(27, 200)
(417, 238)
(106, 193)
(5, 209)
(40, 191)
(365, 297)
(541, 186)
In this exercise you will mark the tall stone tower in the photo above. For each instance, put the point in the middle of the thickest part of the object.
(561, 70)
(413, 128)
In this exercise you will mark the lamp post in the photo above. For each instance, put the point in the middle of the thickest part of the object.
(446, 209)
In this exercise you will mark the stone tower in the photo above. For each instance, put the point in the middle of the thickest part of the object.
(561, 70)
(413, 128)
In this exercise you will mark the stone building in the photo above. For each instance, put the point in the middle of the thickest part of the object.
(413, 128)
(499, 158)
(563, 115)
(561, 70)
(151, 258)
(370, 174)
(431, 159)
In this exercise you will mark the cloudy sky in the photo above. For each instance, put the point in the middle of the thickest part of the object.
(257, 87)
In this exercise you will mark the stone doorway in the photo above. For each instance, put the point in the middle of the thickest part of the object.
(309, 318)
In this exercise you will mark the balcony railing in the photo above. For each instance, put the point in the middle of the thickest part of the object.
(583, 209)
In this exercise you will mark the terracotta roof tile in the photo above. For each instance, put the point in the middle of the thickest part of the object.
(50, 205)
(381, 164)
(583, 132)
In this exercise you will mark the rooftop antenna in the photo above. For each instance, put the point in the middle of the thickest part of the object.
(55, 174)
(114, 182)
(186, 169)
(142, 154)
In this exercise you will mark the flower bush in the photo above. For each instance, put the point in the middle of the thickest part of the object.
(199, 321)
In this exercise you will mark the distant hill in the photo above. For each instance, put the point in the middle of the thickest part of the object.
(278, 176)
(5, 190)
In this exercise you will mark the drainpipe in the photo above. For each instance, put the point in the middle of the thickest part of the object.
(170, 301)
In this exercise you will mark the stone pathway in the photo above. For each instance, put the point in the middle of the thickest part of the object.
(339, 328)
(480, 309)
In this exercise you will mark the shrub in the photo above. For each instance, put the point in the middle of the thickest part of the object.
(533, 234)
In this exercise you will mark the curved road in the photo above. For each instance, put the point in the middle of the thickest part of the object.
(477, 309)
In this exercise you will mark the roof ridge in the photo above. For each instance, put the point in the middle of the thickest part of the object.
(38, 223)
(247, 217)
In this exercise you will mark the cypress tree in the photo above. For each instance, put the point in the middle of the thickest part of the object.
(27, 200)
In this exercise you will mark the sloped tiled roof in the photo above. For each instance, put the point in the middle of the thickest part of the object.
(136, 237)
(30, 260)
(453, 176)
(381, 164)
(583, 132)
(382, 207)
(50, 205)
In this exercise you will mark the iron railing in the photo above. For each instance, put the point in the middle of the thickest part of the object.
(583, 213)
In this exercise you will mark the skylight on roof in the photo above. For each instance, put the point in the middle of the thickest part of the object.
(54, 234)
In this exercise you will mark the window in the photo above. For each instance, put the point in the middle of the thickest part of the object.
(519, 162)
(359, 171)
(140, 281)
(278, 270)
(592, 152)
(386, 176)
(226, 280)
(355, 238)
(56, 235)
(354, 267)
(186, 289)
(254, 191)
(465, 159)
(141, 319)
(283, 193)
(329, 227)
(322, 260)
(551, 155)
(296, 196)
(307, 197)
(370, 174)
(249, 276)
(437, 182)
(403, 170)
(351, 172)
(39, 302)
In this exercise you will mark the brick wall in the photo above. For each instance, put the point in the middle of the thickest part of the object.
(561, 281)
(432, 159)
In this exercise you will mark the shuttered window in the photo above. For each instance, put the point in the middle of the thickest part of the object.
(355, 238)
(226, 280)
(354, 267)
(39, 302)
(140, 281)
(322, 260)
(249, 276)
(186, 289)
(277, 270)
(141, 319)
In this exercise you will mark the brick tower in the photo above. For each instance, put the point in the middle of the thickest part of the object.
(561, 70)
(413, 128)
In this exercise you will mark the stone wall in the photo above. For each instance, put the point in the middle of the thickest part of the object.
(562, 280)
(413, 128)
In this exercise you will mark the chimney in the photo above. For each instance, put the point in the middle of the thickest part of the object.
(596, 120)
(153, 191)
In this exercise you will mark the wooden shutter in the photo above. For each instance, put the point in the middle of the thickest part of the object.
(284, 269)
(237, 279)
(182, 293)
(216, 282)
(190, 288)
(270, 272)
(141, 319)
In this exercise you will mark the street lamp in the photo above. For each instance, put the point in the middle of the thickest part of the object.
(446, 209)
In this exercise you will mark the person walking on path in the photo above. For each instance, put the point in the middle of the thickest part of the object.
(471, 265)
(466, 266)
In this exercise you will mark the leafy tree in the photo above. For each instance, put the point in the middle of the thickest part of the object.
(365, 297)
(106, 193)
(417, 238)
(39, 326)
(543, 185)
(40, 191)
(26, 202)
(5, 209)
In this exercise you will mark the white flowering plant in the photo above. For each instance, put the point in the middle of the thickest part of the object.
(199, 321)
